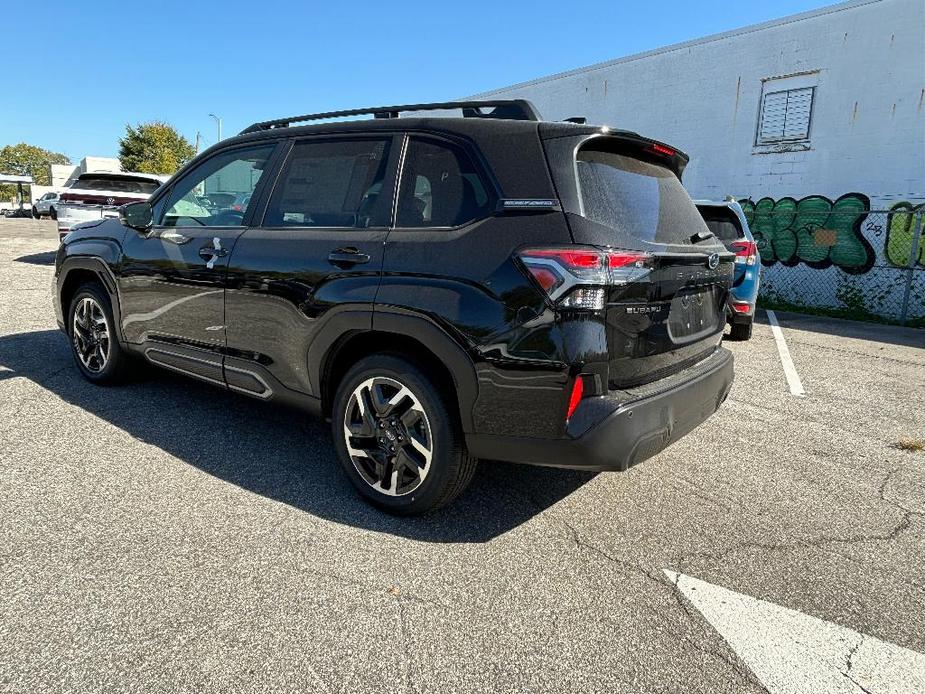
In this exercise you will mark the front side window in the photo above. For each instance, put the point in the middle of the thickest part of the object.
(211, 195)
(332, 183)
(440, 187)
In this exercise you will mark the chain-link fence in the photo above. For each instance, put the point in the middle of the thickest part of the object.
(850, 262)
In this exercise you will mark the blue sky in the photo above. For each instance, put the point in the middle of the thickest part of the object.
(82, 70)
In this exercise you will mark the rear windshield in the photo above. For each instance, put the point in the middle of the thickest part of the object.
(640, 198)
(723, 222)
(117, 184)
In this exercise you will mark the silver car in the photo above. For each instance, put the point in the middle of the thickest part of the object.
(45, 206)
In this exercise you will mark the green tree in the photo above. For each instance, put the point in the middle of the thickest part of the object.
(27, 160)
(155, 147)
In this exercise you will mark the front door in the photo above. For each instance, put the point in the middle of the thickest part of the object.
(173, 277)
(317, 255)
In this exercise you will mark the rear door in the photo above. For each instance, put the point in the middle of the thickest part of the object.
(669, 312)
(172, 280)
(317, 254)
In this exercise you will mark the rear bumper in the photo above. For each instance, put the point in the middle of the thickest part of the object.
(626, 432)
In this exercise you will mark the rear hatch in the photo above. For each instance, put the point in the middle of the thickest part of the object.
(104, 190)
(623, 192)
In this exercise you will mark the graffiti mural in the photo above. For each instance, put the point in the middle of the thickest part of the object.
(813, 230)
(900, 229)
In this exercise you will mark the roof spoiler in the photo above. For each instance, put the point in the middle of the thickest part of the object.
(507, 109)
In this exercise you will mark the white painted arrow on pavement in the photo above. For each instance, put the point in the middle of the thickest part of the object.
(794, 653)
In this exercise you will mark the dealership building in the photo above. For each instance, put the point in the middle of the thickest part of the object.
(823, 110)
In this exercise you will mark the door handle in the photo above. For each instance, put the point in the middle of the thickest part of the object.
(347, 256)
(211, 253)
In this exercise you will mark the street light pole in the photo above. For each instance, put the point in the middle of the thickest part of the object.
(219, 122)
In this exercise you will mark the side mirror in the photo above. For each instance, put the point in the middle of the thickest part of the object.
(137, 215)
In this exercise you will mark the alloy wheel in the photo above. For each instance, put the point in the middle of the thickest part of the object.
(90, 334)
(388, 436)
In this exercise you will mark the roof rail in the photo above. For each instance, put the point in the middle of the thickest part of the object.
(508, 109)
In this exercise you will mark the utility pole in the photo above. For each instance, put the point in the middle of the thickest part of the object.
(198, 136)
(219, 122)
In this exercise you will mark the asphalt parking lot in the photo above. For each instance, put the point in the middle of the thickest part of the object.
(168, 536)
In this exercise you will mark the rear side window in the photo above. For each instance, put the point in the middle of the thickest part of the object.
(440, 187)
(637, 197)
(723, 222)
(332, 183)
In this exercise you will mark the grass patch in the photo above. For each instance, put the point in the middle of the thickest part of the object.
(907, 443)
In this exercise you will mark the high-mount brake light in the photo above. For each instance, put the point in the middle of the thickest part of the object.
(662, 149)
(746, 252)
(576, 277)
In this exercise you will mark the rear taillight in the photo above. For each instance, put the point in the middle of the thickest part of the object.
(746, 252)
(576, 277)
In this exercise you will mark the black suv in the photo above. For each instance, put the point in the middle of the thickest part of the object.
(443, 289)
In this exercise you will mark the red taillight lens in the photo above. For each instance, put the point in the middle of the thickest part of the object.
(572, 259)
(746, 252)
(741, 308)
(236, 208)
(575, 277)
(546, 278)
(615, 260)
(578, 389)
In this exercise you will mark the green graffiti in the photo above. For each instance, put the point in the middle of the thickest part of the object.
(813, 230)
(900, 229)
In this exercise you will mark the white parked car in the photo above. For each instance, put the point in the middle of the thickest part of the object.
(45, 206)
(99, 195)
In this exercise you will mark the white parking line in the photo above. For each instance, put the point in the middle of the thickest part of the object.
(789, 651)
(790, 371)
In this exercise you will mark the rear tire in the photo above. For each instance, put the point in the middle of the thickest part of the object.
(741, 331)
(94, 342)
(397, 438)
(53, 213)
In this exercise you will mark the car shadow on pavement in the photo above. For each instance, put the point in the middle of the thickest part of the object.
(46, 258)
(278, 452)
(840, 327)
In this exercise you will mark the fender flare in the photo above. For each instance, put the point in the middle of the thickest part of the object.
(407, 324)
(107, 278)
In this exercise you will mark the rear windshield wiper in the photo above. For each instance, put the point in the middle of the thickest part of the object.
(701, 236)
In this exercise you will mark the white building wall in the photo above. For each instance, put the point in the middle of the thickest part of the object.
(813, 205)
(868, 126)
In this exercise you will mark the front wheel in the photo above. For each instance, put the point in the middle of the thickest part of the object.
(94, 343)
(35, 213)
(396, 437)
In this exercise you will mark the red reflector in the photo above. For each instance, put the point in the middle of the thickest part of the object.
(741, 308)
(662, 149)
(577, 391)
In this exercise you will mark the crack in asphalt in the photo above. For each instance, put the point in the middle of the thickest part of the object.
(849, 663)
